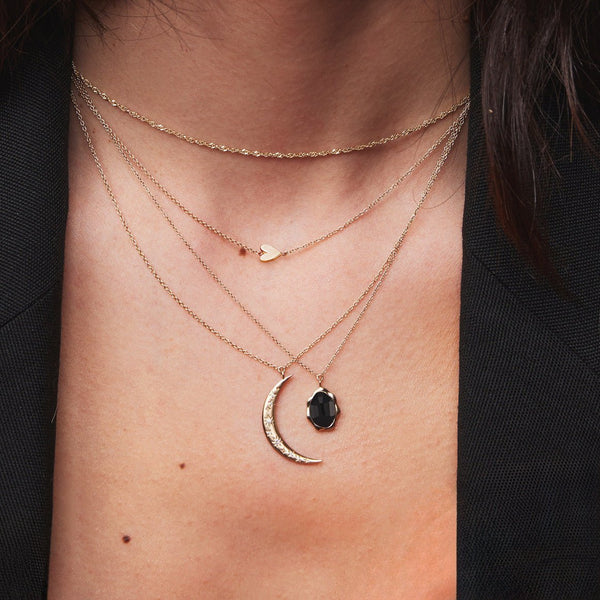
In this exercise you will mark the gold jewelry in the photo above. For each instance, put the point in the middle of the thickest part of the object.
(322, 407)
(267, 252)
(263, 153)
(130, 160)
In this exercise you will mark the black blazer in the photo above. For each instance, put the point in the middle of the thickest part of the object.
(529, 399)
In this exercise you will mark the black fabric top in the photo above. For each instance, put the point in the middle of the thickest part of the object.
(34, 112)
(529, 396)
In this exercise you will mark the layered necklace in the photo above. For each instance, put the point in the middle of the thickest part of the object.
(322, 408)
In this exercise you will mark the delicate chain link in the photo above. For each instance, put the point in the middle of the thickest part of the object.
(259, 153)
(388, 264)
(372, 288)
(130, 159)
(147, 262)
(86, 97)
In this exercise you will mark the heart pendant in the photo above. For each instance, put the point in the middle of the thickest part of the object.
(268, 253)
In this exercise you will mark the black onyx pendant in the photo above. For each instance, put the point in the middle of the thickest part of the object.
(322, 409)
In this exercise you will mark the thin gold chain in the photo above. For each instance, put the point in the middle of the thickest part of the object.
(363, 212)
(261, 153)
(373, 287)
(130, 159)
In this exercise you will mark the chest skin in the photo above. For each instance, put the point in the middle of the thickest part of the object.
(165, 485)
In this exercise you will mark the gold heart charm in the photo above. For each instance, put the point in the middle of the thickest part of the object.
(268, 253)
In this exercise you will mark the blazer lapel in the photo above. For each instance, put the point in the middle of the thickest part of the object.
(529, 419)
(34, 120)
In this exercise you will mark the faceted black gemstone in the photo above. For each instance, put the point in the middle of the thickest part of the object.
(322, 409)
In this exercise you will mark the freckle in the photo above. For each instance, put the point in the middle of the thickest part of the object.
(126, 539)
(242, 251)
(182, 465)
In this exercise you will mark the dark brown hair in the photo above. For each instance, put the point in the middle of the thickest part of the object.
(528, 49)
(531, 49)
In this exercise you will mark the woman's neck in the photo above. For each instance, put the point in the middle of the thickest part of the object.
(280, 75)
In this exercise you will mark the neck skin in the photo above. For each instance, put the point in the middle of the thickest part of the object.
(280, 75)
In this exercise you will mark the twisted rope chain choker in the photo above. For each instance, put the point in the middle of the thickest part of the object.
(322, 407)
(263, 153)
(266, 252)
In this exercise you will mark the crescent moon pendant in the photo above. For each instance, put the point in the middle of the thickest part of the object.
(271, 432)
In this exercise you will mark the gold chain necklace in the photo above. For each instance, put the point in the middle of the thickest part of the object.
(262, 153)
(267, 252)
(322, 408)
(132, 161)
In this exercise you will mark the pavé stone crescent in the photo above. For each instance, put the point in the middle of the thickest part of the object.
(322, 409)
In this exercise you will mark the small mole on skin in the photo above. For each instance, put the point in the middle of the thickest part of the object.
(126, 539)
(182, 465)
(242, 251)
